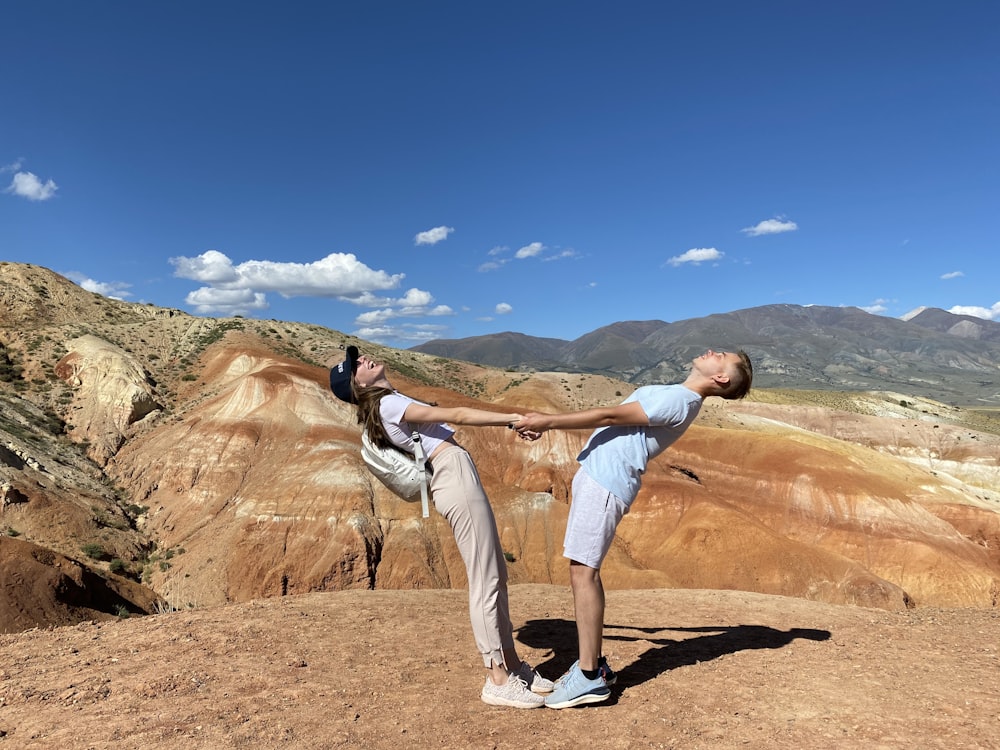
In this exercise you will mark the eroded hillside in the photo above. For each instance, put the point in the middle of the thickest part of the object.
(235, 475)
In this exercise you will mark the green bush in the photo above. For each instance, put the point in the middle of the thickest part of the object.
(93, 551)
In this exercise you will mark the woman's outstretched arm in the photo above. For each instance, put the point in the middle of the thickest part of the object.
(462, 415)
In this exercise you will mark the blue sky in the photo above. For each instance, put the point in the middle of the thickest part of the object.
(406, 171)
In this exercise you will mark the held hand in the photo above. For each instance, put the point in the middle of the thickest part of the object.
(534, 422)
(524, 434)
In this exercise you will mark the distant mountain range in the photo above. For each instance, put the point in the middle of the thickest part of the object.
(951, 358)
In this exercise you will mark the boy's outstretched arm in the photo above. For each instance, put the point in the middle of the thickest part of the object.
(628, 414)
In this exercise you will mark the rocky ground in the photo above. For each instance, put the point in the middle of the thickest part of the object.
(390, 669)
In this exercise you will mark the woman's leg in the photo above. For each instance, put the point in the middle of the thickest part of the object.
(460, 498)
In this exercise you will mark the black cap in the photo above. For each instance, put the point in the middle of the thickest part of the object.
(340, 376)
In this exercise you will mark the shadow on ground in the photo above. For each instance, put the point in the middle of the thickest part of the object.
(665, 653)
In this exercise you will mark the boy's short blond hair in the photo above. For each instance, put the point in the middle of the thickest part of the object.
(741, 379)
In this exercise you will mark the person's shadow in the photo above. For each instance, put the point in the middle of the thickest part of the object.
(664, 653)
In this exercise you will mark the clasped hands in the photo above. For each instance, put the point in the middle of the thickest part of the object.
(529, 426)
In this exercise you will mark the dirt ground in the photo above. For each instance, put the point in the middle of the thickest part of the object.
(396, 669)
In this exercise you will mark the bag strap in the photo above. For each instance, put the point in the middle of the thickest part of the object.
(418, 454)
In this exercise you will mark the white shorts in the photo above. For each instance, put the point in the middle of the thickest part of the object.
(594, 514)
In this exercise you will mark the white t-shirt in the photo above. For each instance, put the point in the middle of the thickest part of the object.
(432, 434)
(616, 457)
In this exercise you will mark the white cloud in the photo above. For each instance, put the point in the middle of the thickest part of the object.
(339, 275)
(416, 298)
(493, 265)
(696, 255)
(952, 275)
(503, 309)
(433, 236)
(529, 251)
(770, 226)
(418, 310)
(987, 313)
(212, 301)
(111, 289)
(27, 185)
(211, 267)
(876, 308)
(240, 289)
(387, 334)
(560, 256)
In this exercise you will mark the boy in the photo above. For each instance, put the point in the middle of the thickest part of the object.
(611, 467)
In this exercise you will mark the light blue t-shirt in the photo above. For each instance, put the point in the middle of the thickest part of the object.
(616, 457)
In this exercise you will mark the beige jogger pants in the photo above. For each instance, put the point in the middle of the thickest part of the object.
(459, 497)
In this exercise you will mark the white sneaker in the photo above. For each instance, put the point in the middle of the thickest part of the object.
(533, 680)
(513, 693)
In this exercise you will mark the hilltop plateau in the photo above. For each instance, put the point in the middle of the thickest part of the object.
(698, 670)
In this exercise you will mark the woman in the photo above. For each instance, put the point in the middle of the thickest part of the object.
(390, 417)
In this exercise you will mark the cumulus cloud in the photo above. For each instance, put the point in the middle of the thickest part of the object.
(503, 308)
(875, 308)
(28, 185)
(212, 301)
(374, 317)
(696, 255)
(952, 275)
(339, 276)
(529, 251)
(987, 313)
(211, 267)
(112, 289)
(433, 236)
(770, 226)
(383, 334)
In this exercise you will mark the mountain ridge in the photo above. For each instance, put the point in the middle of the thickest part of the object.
(951, 358)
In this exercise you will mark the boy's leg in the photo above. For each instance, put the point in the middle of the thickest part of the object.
(588, 602)
(594, 515)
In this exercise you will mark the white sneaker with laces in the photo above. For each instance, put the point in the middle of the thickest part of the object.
(535, 682)
(513, 693)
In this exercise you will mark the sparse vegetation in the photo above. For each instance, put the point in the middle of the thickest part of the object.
(10, 372)
(93, 550)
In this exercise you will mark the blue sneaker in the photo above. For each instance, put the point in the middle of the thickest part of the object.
(573, 689)
(609, 675)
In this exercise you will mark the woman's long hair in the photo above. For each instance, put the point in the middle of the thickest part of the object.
(368, 399)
